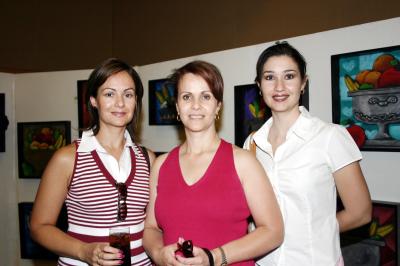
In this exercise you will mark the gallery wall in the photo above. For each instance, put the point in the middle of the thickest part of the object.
(9, 180)
(52, 96)
(238, 67)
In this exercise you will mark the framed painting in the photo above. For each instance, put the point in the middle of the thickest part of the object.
(251, 111)
(37, 142)
(28, 247)
(376, 243)
(83, 111)
(366, 97)
(162, 110)
(3, 122)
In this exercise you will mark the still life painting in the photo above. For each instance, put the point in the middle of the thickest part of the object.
(366, 97)
(376, 243)
(37, 142)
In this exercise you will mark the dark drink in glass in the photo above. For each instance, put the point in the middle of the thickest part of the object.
(119, 238)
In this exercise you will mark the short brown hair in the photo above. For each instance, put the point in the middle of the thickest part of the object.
(209, 72)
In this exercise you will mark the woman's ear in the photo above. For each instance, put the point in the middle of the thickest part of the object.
(93, 102)
(304, 84)
(219, 107)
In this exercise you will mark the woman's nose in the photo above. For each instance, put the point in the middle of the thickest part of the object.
(279, 86)
(196, 103)
(119, 101)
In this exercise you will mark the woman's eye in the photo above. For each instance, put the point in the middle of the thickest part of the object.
(207, 97)
(185, 97)
(289, 76)
(269, 77)
(129, 95)
(108, 94)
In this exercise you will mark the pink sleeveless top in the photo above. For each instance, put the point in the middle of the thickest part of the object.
(211, 212)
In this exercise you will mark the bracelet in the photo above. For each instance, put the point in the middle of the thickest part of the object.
(210, 256)
(224, 262)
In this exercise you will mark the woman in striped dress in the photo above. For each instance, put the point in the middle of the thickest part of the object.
(103, 178)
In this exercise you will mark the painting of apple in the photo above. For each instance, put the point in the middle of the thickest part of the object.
(358, 134)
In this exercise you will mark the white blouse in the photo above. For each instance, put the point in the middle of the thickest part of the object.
(121, 169)
(301, 173)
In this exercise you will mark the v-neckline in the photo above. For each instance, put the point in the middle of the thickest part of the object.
(107, 174)
(204, 175)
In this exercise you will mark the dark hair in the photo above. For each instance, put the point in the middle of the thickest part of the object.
(207, 71)
(97, 78)
(279, 49)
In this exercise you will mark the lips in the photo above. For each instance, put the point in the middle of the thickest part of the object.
(280, 97)
(196, 116)
(119, 114)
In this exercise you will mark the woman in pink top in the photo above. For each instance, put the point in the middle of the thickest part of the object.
(206, 189)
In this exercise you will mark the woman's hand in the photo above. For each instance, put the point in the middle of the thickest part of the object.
(97, 254)
(167, 255)
(199, 258)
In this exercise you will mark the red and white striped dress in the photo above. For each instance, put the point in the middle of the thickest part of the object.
(92, 203)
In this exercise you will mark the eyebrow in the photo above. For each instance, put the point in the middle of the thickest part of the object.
(114, 89)
(285, 71)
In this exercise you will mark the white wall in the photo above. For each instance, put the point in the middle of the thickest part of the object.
(52, 96)
(238, 67)
(9, 247)
(48, 96)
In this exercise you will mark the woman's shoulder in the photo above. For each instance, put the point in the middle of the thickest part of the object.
(243, 157)
(65, 155)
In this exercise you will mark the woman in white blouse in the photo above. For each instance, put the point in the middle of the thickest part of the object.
(307, 161)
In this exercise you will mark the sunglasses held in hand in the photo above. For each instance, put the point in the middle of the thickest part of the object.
(186, 248)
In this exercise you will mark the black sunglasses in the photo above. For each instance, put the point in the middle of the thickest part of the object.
(187, 248)
(122, 207)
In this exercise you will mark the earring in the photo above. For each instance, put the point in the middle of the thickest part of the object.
(302, 92)
(259, 92)
(178, 118)
(217, 116)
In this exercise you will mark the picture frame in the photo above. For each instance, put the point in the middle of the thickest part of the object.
(162, 110)
(28, 247)
(83, 100)
(366, 96)
(3, 122)
(37, 142)
(251, 112)
(378, 242)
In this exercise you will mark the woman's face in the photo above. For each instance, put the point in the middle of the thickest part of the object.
(196, 105)
(116, 100)
(281, 84)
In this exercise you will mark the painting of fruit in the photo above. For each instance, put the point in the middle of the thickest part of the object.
(376, 243)
(366, 94)
(37, 142)
(384, 72)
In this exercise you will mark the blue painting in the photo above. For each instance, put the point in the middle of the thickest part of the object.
(366, 97)
(162, 110)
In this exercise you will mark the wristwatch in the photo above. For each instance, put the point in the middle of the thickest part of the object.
(224, 262)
